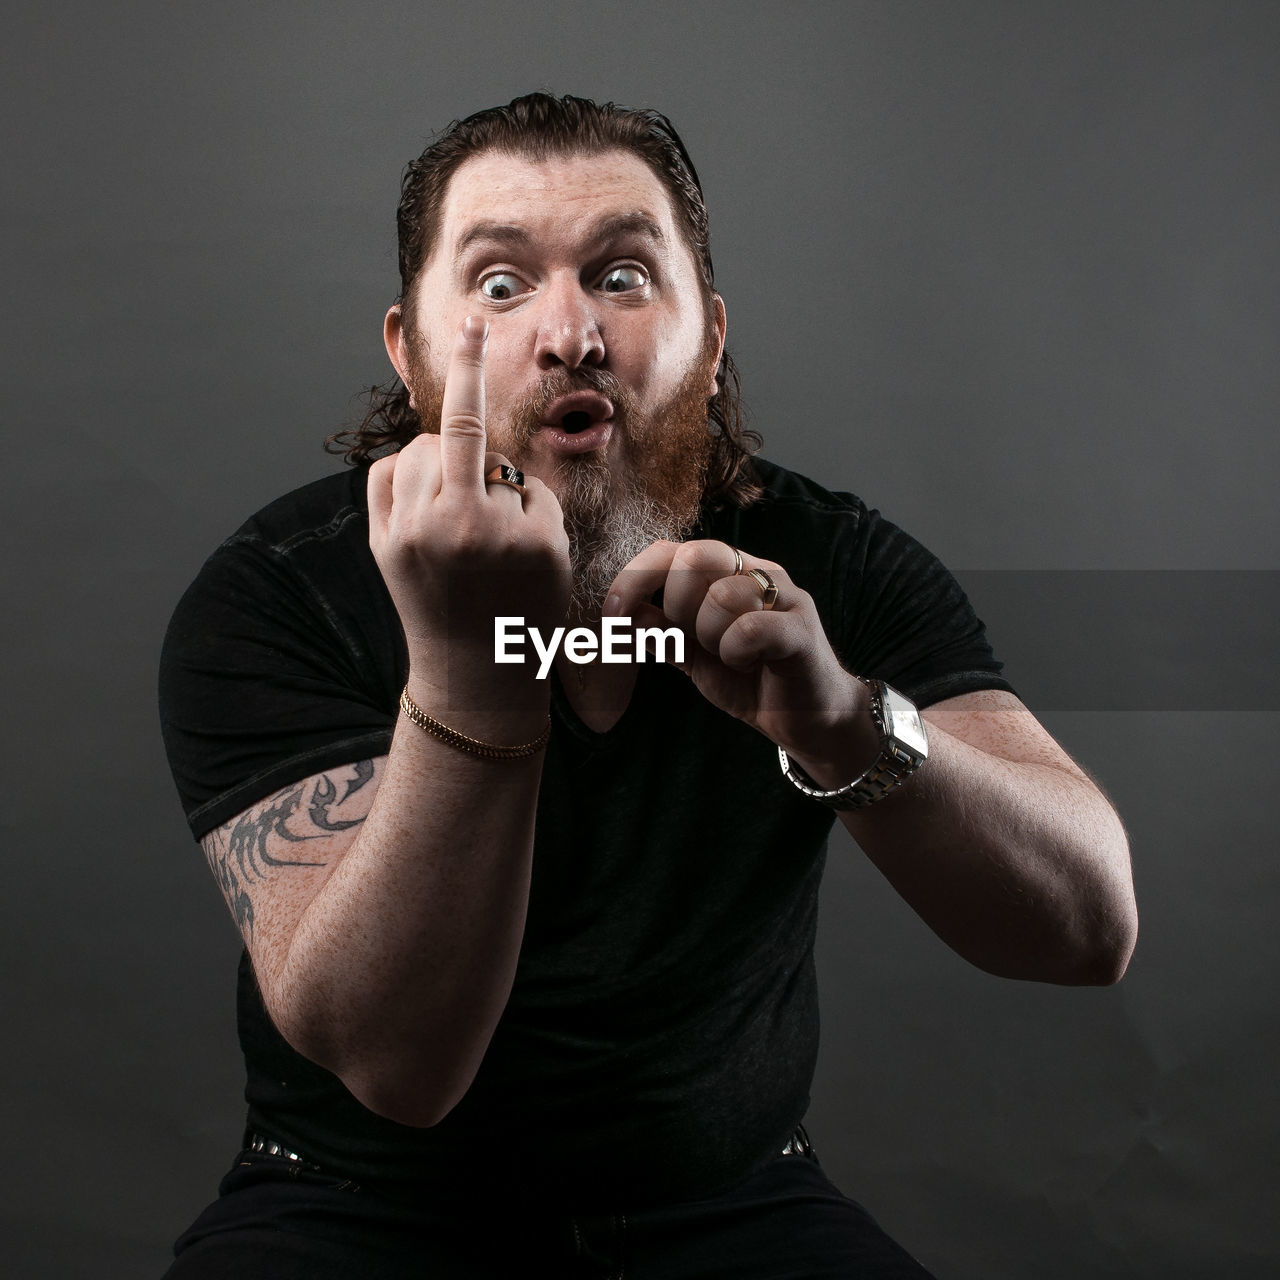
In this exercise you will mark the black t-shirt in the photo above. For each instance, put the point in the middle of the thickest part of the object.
(661, 1033)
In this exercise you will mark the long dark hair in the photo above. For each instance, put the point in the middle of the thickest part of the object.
(539, 125)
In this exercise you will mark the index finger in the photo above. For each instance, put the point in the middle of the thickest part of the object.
(640, 578)
(462, 433)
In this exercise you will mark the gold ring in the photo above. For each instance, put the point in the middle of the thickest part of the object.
(512, 477)
(737, 561)
(768, 588)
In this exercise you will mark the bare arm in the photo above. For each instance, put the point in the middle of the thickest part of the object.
(1003, 846)
(383, 907)
(384, 920)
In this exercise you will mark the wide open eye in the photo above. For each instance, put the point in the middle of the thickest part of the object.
(623, 279)
(500, 286)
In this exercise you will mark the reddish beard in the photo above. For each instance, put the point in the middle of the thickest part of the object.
(611, 512)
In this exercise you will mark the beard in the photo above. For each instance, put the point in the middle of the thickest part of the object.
(651, 491)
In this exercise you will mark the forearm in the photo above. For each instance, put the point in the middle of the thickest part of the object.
(390, 958)
(1021, 866)
(399, 968)
(998, 840)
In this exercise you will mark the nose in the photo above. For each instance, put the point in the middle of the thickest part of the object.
(568, 329)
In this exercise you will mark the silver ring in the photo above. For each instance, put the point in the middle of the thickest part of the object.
(513, 477)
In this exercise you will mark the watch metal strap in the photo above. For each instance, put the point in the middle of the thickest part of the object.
(893, 766)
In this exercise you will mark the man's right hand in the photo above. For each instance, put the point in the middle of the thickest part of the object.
(455, 552)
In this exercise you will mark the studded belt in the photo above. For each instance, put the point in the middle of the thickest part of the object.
(797, 1145)
(266, 1147)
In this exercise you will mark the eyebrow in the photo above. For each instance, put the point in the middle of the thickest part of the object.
(607, 229)
(628, 224)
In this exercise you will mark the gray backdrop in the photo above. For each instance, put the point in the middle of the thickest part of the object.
(1008, 270)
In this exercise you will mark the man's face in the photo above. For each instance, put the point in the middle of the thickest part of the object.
(602, 348)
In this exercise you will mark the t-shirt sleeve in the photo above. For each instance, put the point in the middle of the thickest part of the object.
(262, 685)
(903, 618)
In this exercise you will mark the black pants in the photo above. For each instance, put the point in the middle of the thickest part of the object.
(274, 1219)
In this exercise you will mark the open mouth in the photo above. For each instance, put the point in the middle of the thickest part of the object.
(578, 411)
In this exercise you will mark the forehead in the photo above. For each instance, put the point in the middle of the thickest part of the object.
(557, 198)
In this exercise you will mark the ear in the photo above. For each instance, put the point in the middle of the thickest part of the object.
(393, 337)
(718, 320)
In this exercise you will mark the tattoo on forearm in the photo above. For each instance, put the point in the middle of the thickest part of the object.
(322, 799)
(237, 851)
(364, 772)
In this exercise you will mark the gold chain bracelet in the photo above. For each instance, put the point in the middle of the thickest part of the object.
(473, 746)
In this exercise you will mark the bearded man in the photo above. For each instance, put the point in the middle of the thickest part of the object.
(528, 978)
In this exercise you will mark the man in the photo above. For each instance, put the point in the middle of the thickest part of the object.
(528, 984)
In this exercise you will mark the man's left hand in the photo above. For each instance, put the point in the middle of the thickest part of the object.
(772, 668)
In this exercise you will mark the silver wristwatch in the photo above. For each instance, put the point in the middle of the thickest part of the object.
(904, 747)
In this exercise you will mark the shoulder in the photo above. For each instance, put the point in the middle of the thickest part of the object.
(303, 548)
(789, 491)
(328, 509)
(835, 525)
(812, 530)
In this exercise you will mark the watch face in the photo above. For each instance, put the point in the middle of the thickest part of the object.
(902, 721)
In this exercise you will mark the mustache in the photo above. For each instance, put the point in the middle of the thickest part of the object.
(528, 415)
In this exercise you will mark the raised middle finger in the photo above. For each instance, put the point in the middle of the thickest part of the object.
(463, 439)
